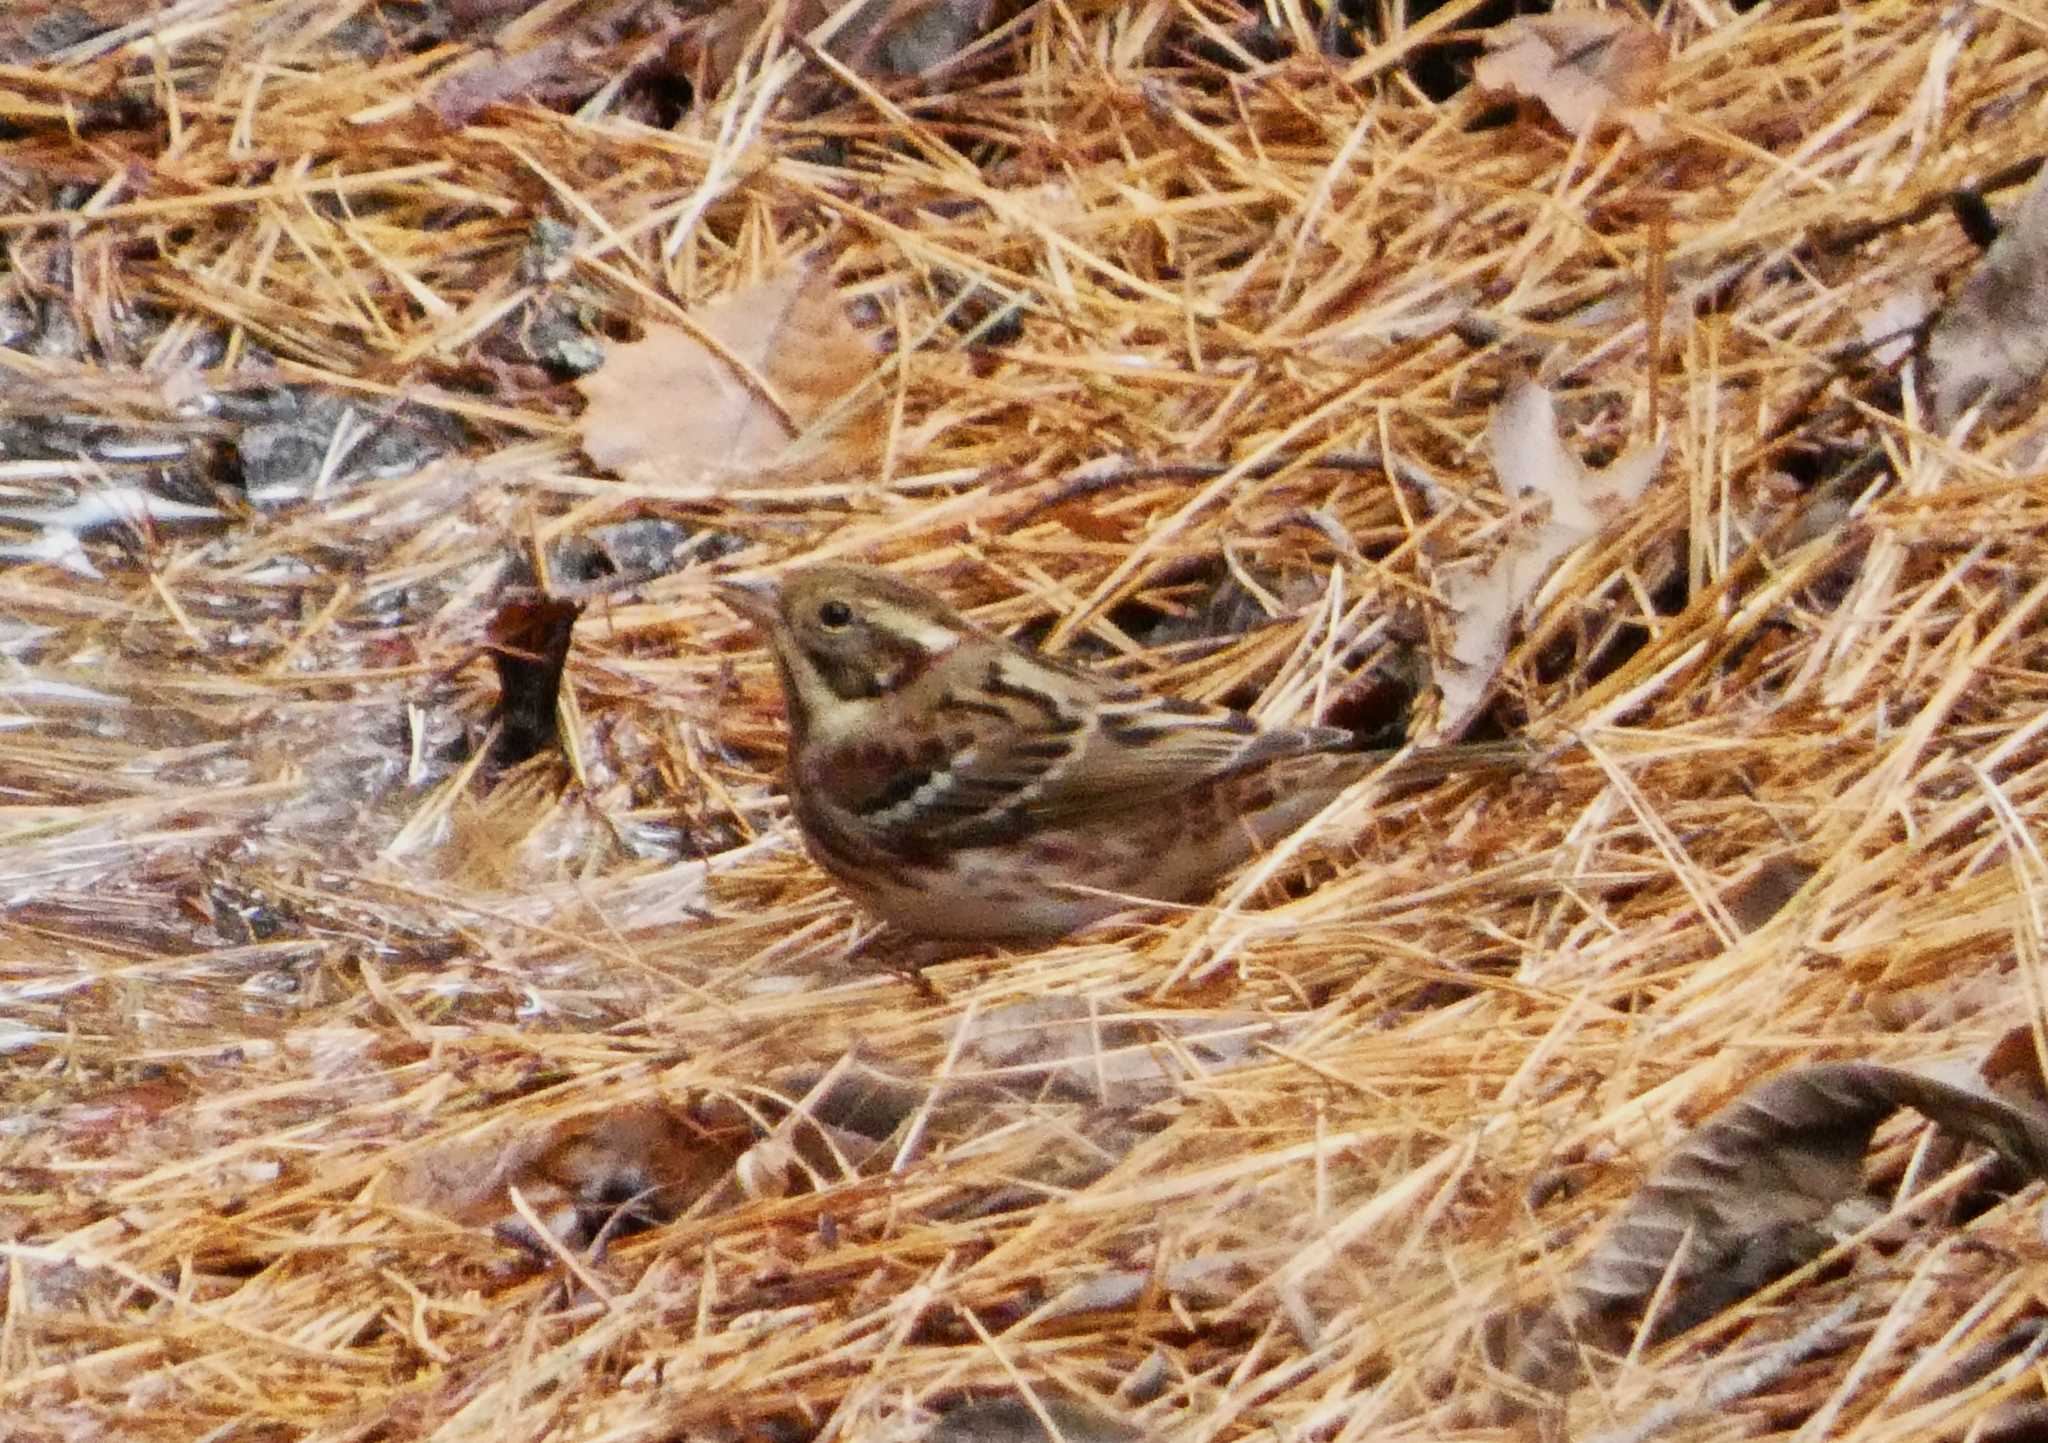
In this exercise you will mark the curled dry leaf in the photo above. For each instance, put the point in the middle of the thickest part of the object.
(764, 385)
(1533, 467)
(1586, 67)
(1746, 1198)
(1990, 342)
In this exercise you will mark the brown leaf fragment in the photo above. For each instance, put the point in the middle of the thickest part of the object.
(530, 648)
(2012, 1069)
(1990, 342)
(1087, 523)
(1585, 67)
(823, 1127)
(556, 55)
(759, 385)
(1560, 504)
(1945, 1002)
(1744, 1199)
(831, 1124)
(2024, 1420)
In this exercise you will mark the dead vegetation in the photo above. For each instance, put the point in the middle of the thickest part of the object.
(394, 1050)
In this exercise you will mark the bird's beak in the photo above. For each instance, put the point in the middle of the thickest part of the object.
(757, 601)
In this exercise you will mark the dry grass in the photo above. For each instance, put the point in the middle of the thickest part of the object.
(274, 926)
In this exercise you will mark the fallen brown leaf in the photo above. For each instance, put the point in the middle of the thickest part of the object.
(1534, 469)
(760, 384)
(1585, 67)
(1745, 1198)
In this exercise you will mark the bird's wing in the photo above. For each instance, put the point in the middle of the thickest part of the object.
(1044, 745)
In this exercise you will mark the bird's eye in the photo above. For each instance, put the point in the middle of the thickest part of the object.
(835, 614)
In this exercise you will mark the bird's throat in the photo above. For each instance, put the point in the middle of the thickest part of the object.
(889, 666)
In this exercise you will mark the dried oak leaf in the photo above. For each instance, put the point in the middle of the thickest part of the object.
(762, 384)
(1585, 67)
(1533, 467)
(1746, 1198)
(1990, 341)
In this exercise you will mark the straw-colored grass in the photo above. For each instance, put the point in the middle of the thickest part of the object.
(277, 936)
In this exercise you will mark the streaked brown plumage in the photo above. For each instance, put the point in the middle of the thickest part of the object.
(961, 786)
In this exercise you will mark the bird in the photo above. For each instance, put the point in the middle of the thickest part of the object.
(963, 787)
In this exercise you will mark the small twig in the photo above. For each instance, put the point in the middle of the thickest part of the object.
(1656, 287)
(2004, 178)
(1094, 479)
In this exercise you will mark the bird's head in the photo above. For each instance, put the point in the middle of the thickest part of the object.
(844, 634)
